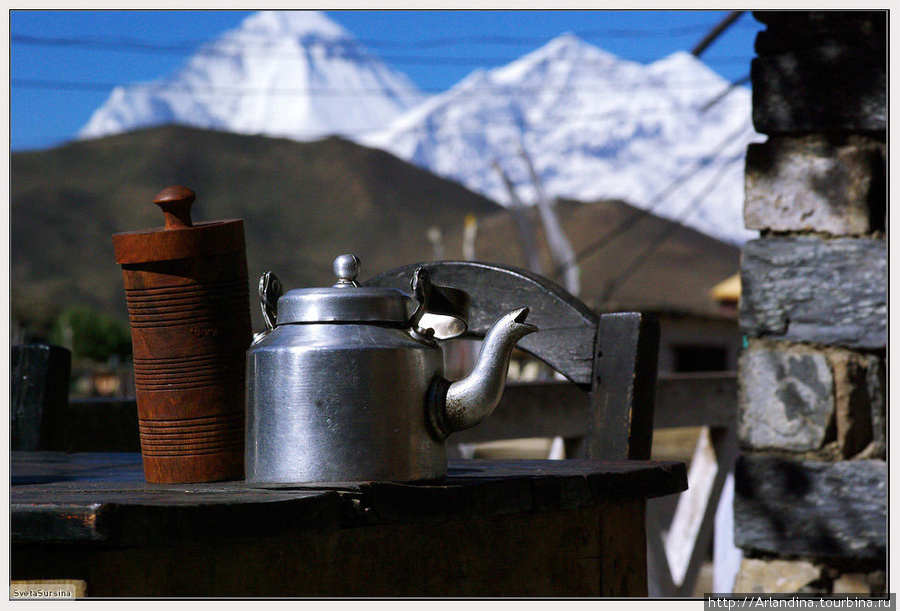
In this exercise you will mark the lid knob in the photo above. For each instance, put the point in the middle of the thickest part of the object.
(176, 206)
(346, 268)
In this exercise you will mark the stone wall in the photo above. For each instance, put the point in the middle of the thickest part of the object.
(810, 486)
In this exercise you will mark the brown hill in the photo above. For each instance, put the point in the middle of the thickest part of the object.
(305, 203)
(302, 204)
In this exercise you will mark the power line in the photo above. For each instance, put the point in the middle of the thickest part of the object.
(179, 47)
(187, 89)
(613, 285)
(344, 50)
(717, 31)
(658, 198)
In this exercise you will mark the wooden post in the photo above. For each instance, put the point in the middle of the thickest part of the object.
(39, 397)
(623, 387)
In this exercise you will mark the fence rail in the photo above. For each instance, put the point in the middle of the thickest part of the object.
(527, 409)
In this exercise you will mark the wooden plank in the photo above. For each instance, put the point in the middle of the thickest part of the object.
(623, 387)
(39, 393)
(726, 555)
(113, 504)
(531, 554)
(490, 487)
(691, 531)
(533, 409)
(567, 327)
(696, 399)
(623, 549)
(559, 408)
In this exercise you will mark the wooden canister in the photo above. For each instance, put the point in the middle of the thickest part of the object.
(188, 306)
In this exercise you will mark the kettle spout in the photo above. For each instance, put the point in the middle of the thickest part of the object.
(455, 406)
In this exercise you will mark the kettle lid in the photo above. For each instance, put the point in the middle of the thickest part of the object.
(345, 301)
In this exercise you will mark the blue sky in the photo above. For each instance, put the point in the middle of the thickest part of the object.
(63, 64)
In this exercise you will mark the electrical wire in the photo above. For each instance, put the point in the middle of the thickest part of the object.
(659, 198)
(613, 285)
(600, 87)
(186, 46)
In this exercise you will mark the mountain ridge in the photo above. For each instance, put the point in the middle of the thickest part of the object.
(594, 126)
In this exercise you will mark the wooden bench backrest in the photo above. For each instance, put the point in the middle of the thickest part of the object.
(611, 357)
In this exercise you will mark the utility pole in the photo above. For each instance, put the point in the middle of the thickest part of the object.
(524, 228)
(714, 33)
(560, 248)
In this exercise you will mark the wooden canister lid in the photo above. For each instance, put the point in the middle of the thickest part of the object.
(180, 238)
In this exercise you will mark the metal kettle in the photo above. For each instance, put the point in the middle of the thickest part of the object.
(347, 385)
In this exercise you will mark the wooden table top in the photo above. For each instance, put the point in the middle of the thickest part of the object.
(103, 498)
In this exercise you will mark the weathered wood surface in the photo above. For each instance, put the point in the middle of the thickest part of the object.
(491, 528)
(188, 305)
(623, 387)
(567, 327)
(115, 504)
(811, 509)
(556, 408)
(39, 394)
(807, 289)
(593, 552)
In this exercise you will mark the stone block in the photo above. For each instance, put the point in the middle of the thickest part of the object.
(813, 91)
(790, 30)
(820, 71)
(785, 398)
(852, 583)
(806, 289)
(816, 184)
(832, 512)
(797, 398)
(775, 576)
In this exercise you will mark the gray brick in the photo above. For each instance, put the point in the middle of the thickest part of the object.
(806, 289)
(786, 399)
(811, 509)
(826, 89)
(815, 184)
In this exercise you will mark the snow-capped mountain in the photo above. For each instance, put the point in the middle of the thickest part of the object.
(595, 126)
(293, 74)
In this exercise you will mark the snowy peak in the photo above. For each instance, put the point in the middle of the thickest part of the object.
(594, 127)
(293, 74)
(299, 24)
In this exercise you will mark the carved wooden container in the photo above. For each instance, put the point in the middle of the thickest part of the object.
(188, 305)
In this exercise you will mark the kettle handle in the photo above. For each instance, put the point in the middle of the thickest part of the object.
(444, 310)
(270, 290)
(420, 284)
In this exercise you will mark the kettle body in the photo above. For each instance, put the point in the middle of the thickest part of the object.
(331, 402)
